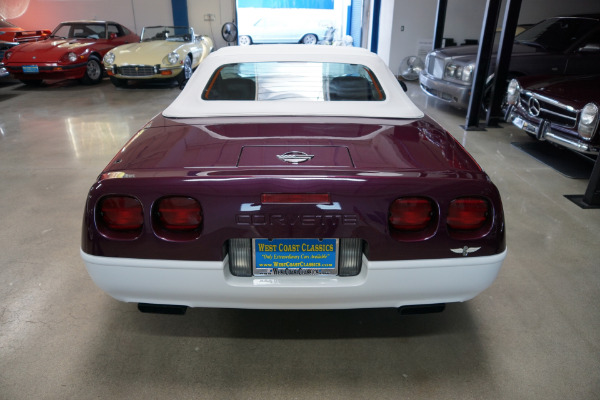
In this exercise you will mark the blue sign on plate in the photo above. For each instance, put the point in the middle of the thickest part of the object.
(30, 69)
(295, 256)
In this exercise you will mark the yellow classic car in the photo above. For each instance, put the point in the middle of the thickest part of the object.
(164, 52)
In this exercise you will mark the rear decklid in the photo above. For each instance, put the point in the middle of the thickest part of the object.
(349, 145)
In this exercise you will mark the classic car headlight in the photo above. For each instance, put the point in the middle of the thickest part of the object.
(513, 92)
(68, 57)
(588, 120)
(173, 58)
(109, 58)
(460, 72)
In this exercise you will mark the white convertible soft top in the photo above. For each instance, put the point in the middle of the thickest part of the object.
(190, 104)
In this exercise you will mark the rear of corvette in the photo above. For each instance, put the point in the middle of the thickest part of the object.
(293, 213)
(288, 177)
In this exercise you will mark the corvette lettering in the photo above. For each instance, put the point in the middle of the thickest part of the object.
(296, 220)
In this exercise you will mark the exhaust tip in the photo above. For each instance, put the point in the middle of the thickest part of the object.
(422, 309)
(162, 309)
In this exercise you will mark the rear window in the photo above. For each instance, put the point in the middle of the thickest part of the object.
(293, 81)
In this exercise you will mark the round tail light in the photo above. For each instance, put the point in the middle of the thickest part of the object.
(121, 213)
(179, 213)
(411, 213)
(468, 213)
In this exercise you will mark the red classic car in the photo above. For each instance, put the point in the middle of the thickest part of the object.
(288, 177)
(74, 50)
(12, 33)
(563, 110)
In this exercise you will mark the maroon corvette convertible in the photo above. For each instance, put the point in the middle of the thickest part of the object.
(288, 177)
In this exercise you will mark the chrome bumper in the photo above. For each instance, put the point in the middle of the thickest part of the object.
(452, 93)
(543, 130)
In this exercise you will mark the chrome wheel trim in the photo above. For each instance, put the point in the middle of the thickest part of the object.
(245, 40)
(309, 39)
(93, 70)
(187, 68)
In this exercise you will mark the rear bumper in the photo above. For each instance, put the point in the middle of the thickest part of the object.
(210, 284)
(545, 131)
(452, 93)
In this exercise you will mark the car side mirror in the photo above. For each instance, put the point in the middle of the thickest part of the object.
(590, 48)
(113, 36)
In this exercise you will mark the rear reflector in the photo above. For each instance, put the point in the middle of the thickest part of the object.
(295, 198)
(350, 256)
(467, 213)
(179, 213)
(121, 213)
(240, 257)
(411, 213)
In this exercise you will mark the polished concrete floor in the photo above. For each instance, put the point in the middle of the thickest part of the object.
(535, 334)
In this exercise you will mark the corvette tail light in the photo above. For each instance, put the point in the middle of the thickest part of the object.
(468, 213)
(179, 213)
(411, 213)
(121, 213)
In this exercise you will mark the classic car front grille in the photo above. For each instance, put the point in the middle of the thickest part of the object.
(435, 66)
(549, 110)
(137, 70)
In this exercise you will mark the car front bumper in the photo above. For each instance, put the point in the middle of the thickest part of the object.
(452, 93)
(144, 72)
(546, 131)
(48, 71)
(380, 284)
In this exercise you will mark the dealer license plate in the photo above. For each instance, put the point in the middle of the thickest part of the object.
(30, 69)
(295, 256)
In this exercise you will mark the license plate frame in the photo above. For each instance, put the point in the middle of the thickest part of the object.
(31, 69)
(300, 257)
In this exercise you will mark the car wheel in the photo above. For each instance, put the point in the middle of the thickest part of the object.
(487, 94)
(309, 39)
(186, 73)
(245, 40)
(93, 71)
(118, 82)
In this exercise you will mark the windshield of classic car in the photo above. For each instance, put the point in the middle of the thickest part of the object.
(80, 31)
(293, 81)
(170, 33)
(556, 34)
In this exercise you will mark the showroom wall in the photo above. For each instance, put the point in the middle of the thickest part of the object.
(206, 16)
(463, 21)
(406, 26)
